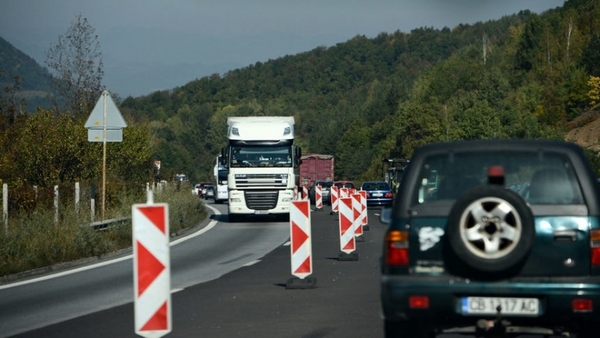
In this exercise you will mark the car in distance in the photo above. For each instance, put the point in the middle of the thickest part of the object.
(379, 193)
(472, 255)
(209, 191)
(196, 189)
(202, 188)
(325, 190)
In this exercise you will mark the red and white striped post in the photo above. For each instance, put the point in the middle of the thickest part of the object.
(300, 246)
(304, 193)
(364, 214)
(344, 192)
(347, 240)
(357, 219)
(152, 269)
(319, 197)
(334, 194)
(296, 192)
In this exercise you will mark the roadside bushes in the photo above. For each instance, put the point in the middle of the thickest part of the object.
(34, 240)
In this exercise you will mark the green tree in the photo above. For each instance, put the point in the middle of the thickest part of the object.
(10, 104)
(53, 150)
(353, 156)
(75, 62)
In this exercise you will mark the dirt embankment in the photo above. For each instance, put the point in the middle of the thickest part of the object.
(586, 130)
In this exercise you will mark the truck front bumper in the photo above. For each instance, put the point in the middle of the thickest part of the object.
(253, 202)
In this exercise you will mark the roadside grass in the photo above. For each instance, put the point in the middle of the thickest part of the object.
(34, 240)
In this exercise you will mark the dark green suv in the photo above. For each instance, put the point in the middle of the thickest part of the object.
(493, 237)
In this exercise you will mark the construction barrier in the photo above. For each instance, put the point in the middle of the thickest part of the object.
(300, 245)
(346, 222)
(344, 192)
(334, 198)
(152, 269)
(364, 214)
(296, 193)
(319, 197)
(304, 193)
(357, 215)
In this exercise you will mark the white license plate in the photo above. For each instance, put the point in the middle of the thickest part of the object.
(378, 194)
(260, 212)
(508, 306)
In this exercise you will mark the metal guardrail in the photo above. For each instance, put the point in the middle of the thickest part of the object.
(102, 225)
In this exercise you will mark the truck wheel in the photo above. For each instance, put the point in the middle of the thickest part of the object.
(490, 229)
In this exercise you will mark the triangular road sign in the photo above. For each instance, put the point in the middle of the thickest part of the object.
(114, 119)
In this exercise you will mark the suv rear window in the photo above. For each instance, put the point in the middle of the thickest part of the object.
(547, 179)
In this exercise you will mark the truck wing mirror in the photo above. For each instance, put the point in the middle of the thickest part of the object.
(224, 156)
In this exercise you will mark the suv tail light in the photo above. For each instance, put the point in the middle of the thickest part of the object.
(595, 247)
(418, 302)
(396, 242)
(582, 305)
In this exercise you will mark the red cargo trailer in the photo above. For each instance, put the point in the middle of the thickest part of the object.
(316, 167)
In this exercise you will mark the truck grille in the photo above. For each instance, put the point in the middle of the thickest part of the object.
(260, 181)
(261, 200)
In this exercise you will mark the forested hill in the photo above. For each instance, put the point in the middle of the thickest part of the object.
(33, 80)
(522, 76)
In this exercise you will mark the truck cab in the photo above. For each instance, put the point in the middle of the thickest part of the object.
(263, 164)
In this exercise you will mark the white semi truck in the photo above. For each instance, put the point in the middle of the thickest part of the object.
(220, 173)
(263, 165)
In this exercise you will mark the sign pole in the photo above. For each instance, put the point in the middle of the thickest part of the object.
(105, 112)
(104, 159)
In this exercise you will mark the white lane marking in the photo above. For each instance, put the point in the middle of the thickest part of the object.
(112, 261)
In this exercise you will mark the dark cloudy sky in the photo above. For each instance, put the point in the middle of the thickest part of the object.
(159, 44)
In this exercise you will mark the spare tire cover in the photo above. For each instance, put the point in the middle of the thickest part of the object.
(490, 228)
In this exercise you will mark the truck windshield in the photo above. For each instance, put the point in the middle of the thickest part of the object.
(261, 156)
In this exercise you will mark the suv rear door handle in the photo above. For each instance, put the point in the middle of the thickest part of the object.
(565, 235)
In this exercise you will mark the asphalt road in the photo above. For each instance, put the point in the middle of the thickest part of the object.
(253, 300)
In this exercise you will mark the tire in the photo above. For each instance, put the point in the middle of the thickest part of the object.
(405, 329)
(490, 229)
(587, 331)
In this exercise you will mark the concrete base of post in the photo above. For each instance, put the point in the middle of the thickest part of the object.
(301, 283)
(345, 257)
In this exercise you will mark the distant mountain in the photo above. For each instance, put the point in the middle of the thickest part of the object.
(35, 86)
